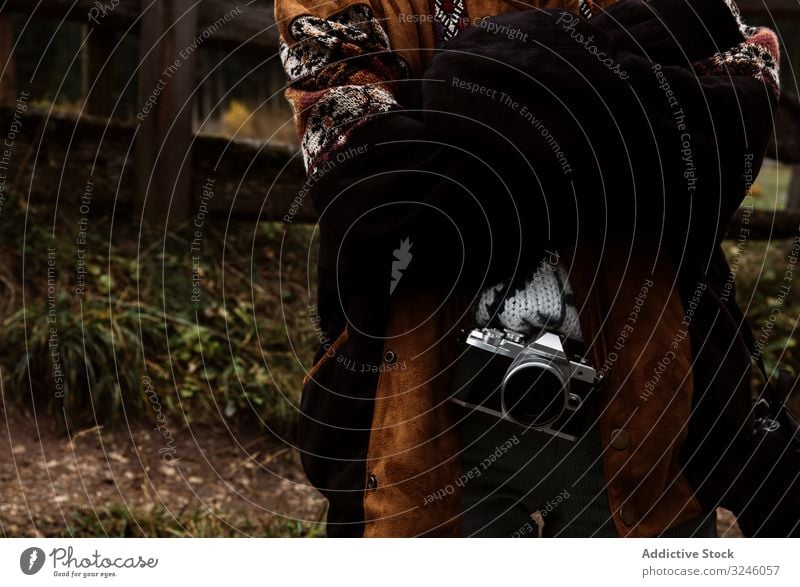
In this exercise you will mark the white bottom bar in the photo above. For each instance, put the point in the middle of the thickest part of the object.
(397, 562)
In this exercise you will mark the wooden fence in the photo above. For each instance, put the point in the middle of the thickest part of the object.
(166, 152)
(158, 163)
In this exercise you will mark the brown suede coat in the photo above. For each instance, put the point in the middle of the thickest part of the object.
(413, 446)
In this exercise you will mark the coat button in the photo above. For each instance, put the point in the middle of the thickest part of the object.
(389, 357)
(372, 482)
(627, 514)
(620, 439)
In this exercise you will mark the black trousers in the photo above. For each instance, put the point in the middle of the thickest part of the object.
(518, 482)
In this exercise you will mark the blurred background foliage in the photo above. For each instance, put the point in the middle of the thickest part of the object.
(760, 267)
(237, 353)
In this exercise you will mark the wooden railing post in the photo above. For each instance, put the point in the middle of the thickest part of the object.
(98, 70)
(165, 104)
(8, 85)
(793, 196)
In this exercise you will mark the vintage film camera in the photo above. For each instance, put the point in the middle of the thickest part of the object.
(535, 385)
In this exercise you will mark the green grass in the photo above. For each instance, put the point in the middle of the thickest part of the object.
(771, 186)
(233, 347)
(763, 270)
(118, 521)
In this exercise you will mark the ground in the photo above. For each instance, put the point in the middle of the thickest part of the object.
(115, 482)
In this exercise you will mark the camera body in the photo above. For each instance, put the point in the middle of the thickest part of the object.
(535, 385)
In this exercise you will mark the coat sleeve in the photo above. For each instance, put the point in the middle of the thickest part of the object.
(341, 70)
(659, 118)
(349, 89)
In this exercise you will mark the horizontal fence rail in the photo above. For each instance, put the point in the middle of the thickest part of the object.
(255, 29)
(251, 179)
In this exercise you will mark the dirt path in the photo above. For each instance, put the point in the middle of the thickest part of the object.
(49, 480)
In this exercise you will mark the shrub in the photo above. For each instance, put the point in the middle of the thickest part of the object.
(215, 335)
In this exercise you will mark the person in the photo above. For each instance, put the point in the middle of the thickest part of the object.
(484, 163)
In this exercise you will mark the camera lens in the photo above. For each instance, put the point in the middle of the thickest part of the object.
(533, 394)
